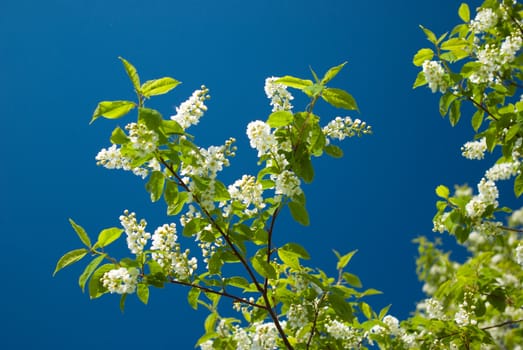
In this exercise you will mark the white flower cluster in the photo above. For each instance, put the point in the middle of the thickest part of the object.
(249, 192)
(432, 308)
(502, 171)
(339, 128)
(112, 158)
(464, 315)
(339, 330)
(136, 235)
(519, 254)
(488, 195)
(278, 94)
(287, 184)
(474, 149)
(263, 337)
(121, 280)
(167, 252)
(191, 110)
(435, 76)
(516, 219)
(485, 19)
(297, 316)
(143, 140)
(260, 137)
(509, 48)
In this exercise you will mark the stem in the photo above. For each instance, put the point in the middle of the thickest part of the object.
(316, 314)
(502, 324)
(511, 229)
(222, 293)
(483, 108)
(269, 243)
(225, 236)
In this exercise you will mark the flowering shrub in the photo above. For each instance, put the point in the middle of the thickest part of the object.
(279, 302)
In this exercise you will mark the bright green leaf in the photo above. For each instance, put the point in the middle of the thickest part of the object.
(296, 249)
(421, 56)
(193, 296)
(455, 112)
(341, 307)
(477, 120)
(345, 259)
(89, 269)
(81, 233)
(442, 191)
(132, 73)
(142, 291)
(280, 118)
(366, 310)
(454, 44)
(294, 82)
(108, 236)
(70, 258)
(237, 281)
(289, 258)
(151, 117)
(352, 279)
(464, 12)
(155, 185)
(430, 35)
(158, 86)
(112, 109)
(263, 267)
(445, 101)
(331, 73)
(420, 80)
(118, 137)
(339, 98)
(123, 298)
(299, 213)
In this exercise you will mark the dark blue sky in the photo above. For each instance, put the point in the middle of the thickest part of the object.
(59, 58)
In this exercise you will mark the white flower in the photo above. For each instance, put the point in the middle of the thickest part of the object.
(433, 308)
(509, 48)
(297, 316)
(260, 137)
(143, 140)
(121, 280)
(519, 254)
(278, 94)
(435, 76)
(340, 128)
(488, 192)
(392, 323)
(248, 191)
(502, 171)
(474, 149)
(111, 158)
(136, 235)
(485, 19)
(191, 110)
(287, 184)
(207, 345)
(516, 219)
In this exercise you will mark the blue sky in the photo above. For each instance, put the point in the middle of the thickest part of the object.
(59, 58)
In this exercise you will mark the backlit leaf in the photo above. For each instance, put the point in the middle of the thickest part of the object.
(89, 269)
(339, 98)
(158, 86)
(70, 258)
(112, 109)
(108, 236)
(81, 233)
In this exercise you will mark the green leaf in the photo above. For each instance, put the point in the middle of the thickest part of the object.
(512, 132)
(89, 269)
(263, 267)
(237, 281)
(518, 185)
(112, 109)
(331, 73)
(151, 117)
(445, 101)
(84, 237)
(454, 44)
(123, 298)
(294, 82)
(290, 259)
(455, 112)
(442, 191)
(366, 310)
(296, 249)
(477, 120)
(70, 258)
(155, 185)
(118, 137)
(420, 80)
(341, 307)
(142, 291)
(108, 236)
(339, 98)
(210, 322)
(345, 259)
(464, 12)
(96, 288)
(333, 151)
(430, 35)
(132, 73)
(193, 297)
(280, 118)
(299, 213)
(421, 56)
(352, 279)
(158, 86)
